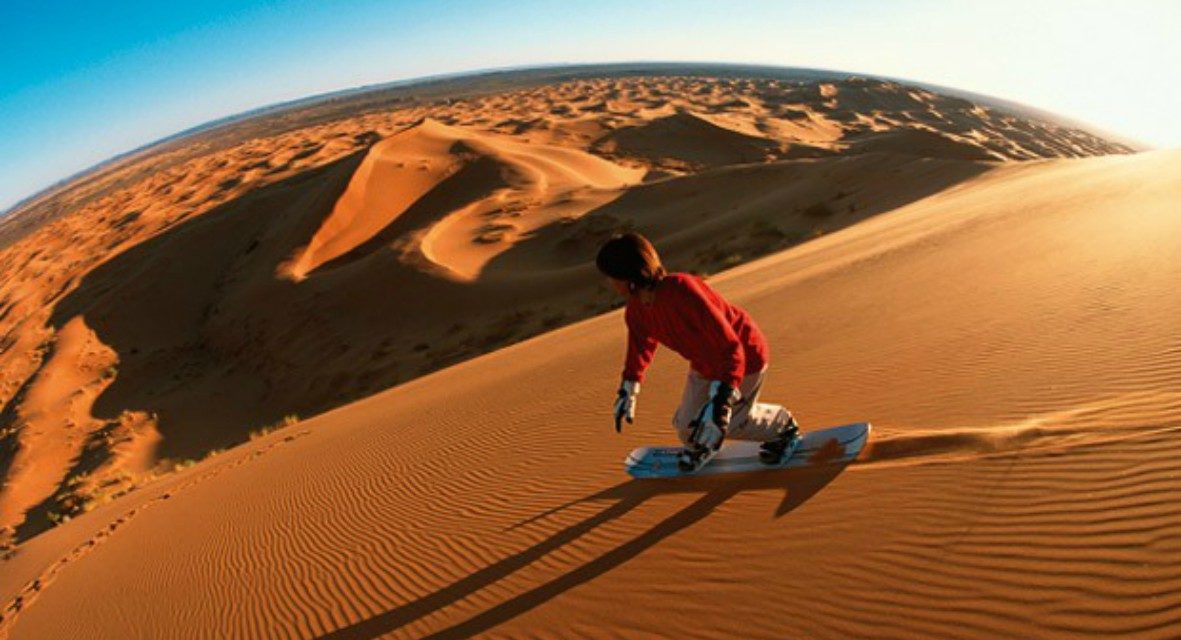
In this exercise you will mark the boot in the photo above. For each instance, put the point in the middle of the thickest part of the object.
(694, 457)
(774, 451)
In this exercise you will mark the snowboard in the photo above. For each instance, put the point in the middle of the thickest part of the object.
(831, 445)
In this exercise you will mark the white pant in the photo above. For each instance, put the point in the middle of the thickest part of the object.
(751, 419)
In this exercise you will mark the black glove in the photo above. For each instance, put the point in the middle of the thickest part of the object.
(720, 405)
(714, 417)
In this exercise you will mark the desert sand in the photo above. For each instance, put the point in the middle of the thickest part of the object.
(1002, 309)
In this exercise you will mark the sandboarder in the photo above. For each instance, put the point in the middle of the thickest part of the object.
(727, 355)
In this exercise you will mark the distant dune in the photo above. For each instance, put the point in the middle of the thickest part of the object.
(467, 190)
(993, 297)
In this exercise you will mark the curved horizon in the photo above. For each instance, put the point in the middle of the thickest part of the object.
(87, 96)
(277, 107)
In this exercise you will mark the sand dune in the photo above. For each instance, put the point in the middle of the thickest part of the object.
(922, 142)
(465, 186)
(200, 293)
(686, 139)
(1014, 340)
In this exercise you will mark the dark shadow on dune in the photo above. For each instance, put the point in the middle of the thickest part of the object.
(476, 179)
(768, 212)
(154, 304)
(9, 438)
(798, 486)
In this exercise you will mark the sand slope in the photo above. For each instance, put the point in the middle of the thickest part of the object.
(236, 279)
(1013, 339)
(193, 295)
(476, 193)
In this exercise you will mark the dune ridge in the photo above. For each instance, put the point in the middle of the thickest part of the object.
(503, 189)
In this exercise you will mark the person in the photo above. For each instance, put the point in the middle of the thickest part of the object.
(727, 354)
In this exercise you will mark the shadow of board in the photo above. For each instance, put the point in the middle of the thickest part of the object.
(799, 485)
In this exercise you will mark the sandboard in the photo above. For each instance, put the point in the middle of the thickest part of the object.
(832, 445)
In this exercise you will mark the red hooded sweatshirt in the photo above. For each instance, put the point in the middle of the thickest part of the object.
(720, 341)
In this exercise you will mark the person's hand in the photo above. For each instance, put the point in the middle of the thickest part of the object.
(714, 417)
(625, 404)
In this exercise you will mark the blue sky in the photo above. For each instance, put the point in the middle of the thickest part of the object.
(83, 81)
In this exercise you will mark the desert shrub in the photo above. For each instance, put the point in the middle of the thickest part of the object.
(287, 421)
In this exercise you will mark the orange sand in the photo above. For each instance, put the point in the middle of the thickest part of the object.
(1010, 328)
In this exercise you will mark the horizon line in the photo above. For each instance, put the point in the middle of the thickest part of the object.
(280, 105)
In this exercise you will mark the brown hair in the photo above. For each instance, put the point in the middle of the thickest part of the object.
(630, 257)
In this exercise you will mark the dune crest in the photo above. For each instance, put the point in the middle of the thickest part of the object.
(394, 173)
(684, 137)
(476, 194)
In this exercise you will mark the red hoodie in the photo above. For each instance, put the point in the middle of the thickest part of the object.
(720, 341)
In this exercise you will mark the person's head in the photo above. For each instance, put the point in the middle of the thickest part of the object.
(630, 262)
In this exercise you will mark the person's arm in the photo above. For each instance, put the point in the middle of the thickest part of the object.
(640, 349)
